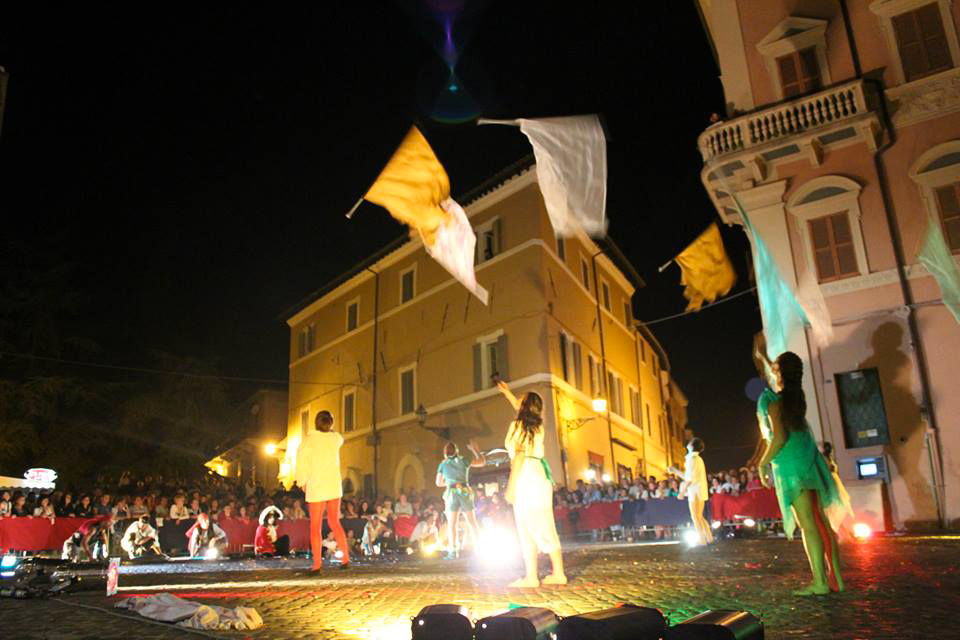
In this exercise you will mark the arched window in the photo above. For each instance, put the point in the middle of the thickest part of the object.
(937, 173)
(828, 211)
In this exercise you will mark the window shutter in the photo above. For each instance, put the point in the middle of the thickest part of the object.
(949, 205)
(810, 69)
(504, 369)
(933, 37)
(593, 382)
(477, 367)
(789, 78)
(497, 236)
(577, 366)
(564, 367)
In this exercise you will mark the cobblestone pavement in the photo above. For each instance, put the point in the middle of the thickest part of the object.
(901, 588)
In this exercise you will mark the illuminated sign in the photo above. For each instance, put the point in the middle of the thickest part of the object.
(44, 476)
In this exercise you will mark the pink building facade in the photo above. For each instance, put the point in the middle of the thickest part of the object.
(842, 142)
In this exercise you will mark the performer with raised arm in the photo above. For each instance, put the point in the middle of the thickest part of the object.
(805, 488)
(453, 474)
(530, 489)
(695, 488)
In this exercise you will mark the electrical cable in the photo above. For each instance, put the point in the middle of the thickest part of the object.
(709, 306)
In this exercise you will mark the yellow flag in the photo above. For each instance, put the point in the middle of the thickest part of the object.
(707, 271)
(412, 186)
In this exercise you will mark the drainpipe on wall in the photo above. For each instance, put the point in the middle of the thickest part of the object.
(373, 380)
(603, 359)
(932, 437)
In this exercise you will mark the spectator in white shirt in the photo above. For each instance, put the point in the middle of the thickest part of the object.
(179, 511)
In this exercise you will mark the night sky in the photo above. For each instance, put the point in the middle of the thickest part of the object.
(193, 165)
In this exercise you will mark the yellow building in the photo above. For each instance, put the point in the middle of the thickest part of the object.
(259, 423)
(437, 348)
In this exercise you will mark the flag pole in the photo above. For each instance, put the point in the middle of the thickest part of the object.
(511, 123)
(354, 208)
(665, 265)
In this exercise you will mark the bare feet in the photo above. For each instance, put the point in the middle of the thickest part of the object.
(555, 578)
(525, 583)
(812, 589)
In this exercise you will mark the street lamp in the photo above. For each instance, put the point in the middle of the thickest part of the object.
(599, 405)
(270, 449)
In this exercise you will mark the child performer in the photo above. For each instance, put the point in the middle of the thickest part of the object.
(695, 487)
(453, 474)
(530, 489)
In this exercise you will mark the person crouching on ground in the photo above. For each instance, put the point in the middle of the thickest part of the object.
(140, 539)
(205, 535)
(267, 542)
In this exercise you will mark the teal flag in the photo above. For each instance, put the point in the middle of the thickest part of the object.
(936, 257)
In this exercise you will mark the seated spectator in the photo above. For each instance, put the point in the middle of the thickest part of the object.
(426, 532)
(138, 508)
(179, 511)
(103, 506)
(623, 494)
(213, 509)
(727, 485)
(365, 509)
(635, 492)
(20, 509)
(6, 505)
(161, 510)
(374, 532)
(349, 510)
(387, 509)
(266, 541)
(329, 546)
(296, 511)
(84, 508)
(227, 512)
(753, 481)
(715, 485)
(296, 492)
(44, 509)
(673, 488)
(593, 494)
(664, 488)
(195, 507)
(121, 510)
(243, 514)
(403, 508)
(140, 539)
(206, 534)
(65, 507)
(610, 495)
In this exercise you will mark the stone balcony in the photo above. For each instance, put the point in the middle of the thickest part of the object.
(808, 116)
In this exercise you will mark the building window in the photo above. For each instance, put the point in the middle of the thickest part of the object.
(615, 388)
(408, 394)
(948, 203)
(595, 464)
(592, 367)
(577, 357)
(833, 251)
(605, 290)
(655, 362)
(488, 240)
(799, 72)
(563, 357)
(305, 340)
(660, 426)
(349, 411)
(408, 284)
(304, 423)
(649, 426)
(585, 274)
(627, 314)
(353, 315)
(643, 350)
(489, 359)
(635, 417)
(561, 250)
(921, 42)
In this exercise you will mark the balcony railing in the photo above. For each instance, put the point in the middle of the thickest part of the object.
(784, 120)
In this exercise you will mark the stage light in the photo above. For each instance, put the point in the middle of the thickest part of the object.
(606, 477)
(211, 554)
(271, 448)
(749, 522)
(496, 546)
(626, 622)
(7, 574)
(599, 405)
(429, 549)
(8, 561)
(862, 530)
(442, 622)
(590, 474)
(691, 537)
(523, 623)
(718, 625)
(716, 524)
(338, 554)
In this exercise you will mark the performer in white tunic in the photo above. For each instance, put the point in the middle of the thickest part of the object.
(530, 490)
(696, 488)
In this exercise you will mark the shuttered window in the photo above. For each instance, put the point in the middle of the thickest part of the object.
(922, 42)
(948, 201)
(799, 72)
(833, 250)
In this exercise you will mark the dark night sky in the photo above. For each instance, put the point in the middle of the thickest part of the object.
(196, 164)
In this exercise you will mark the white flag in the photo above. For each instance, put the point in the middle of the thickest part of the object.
(571, 155)
(454, 247)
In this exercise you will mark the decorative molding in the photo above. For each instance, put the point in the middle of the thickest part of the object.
(875, 279)
(925, 99)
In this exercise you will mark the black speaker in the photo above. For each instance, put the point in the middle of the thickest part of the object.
(626, 622)
(718, 625)
(442, 622)
(524, 623)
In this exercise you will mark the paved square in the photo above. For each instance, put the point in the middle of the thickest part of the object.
(902, 588)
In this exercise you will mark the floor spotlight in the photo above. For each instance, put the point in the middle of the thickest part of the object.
(442, 622)
(626, 622)
(718, 625)
(862, 530)
(523, 623)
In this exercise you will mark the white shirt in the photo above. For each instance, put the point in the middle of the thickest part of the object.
(318, 466)
(141, 531)
(695, 475)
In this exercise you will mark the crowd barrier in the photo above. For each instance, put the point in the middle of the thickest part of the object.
(36, 534)
(759, 504)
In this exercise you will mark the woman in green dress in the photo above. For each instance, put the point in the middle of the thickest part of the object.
(805, 487)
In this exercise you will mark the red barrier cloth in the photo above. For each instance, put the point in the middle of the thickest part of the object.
(240, 533)
(403, 526)
(598, 515)
(759, 504)
(299, 532)
(37, 534)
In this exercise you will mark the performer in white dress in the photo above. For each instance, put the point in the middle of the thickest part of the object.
(696, 489)
(530, 490)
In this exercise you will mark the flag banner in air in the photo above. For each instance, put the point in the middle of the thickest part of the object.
(938, 260)
(706, 270)
(412, 186)
(455, 248)
(571, 156)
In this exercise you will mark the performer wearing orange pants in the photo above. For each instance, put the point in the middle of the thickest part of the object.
(318, 472)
